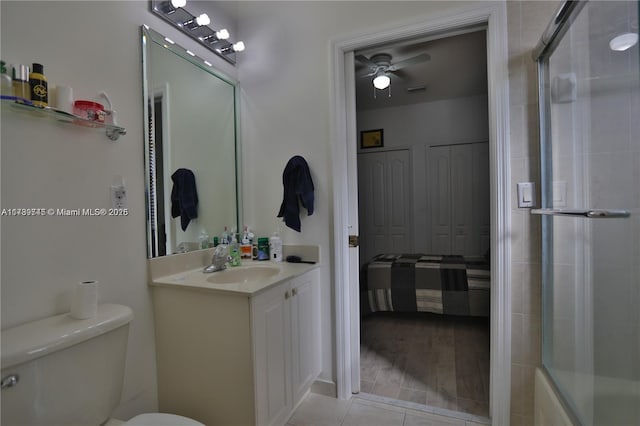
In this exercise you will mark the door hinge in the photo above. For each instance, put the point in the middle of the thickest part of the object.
(353, 241)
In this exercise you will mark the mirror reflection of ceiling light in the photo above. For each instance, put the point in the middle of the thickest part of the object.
(623, 42)
(381, 81)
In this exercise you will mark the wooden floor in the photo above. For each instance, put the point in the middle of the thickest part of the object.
(436, 360)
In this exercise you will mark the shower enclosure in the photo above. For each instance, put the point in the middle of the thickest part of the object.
(589, 93)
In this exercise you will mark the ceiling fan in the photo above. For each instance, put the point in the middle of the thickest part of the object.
(380, 66)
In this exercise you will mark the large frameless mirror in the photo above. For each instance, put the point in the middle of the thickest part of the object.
(191, 162)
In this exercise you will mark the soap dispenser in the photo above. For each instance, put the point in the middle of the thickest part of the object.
(234, 251)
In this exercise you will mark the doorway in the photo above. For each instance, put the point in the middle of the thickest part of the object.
(493, 15)
(423, 190)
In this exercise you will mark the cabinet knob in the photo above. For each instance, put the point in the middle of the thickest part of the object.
(286, 294)
(294, 292)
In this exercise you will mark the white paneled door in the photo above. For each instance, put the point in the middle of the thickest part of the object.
(385, 205)
(459, 198)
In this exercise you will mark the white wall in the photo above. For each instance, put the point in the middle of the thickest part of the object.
(444, 122)
(90, 46)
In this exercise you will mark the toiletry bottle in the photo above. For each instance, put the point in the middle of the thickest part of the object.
(204, 239)
(39, 86)
(275, 247)
(245, 245)
(21, 89)
(7, 85)
(224, 238)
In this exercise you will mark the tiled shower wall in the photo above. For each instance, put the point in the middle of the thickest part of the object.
(526, 22)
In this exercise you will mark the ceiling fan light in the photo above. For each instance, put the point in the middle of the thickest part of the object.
(381, 81)
(623, 42)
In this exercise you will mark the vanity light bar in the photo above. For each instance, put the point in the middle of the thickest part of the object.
(197, 28)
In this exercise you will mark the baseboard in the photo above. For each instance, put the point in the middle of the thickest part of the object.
(324, 387)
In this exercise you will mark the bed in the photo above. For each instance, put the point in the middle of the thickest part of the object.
(442, 284)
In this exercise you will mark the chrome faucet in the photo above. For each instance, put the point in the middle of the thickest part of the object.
(219, 259)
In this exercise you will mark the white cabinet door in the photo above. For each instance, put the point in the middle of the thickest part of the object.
(272, 356)
(286, 346)
(305, 328)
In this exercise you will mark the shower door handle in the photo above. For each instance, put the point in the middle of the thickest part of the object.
(590, 214)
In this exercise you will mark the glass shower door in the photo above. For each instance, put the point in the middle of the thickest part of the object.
(590, 132)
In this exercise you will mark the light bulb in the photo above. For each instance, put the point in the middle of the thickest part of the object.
(238, 47)
(223, 34)
(623, 42)
(203, 19)
(381, 81)
(178, 3)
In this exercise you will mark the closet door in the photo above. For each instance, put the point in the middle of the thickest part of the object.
(465, 238)
(385, 207)
(440, 199)
(459, 198)
(399, 205)
(481, 194)
(372, 204)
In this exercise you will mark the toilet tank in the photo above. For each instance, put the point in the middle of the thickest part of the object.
(69, 371)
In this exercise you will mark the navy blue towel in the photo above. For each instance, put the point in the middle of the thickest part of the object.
(298, 186)
(184, 197)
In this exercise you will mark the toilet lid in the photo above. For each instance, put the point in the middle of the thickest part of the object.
(161, 419)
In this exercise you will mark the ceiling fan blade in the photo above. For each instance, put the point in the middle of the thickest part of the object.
(363, 60)
(397, 75)
(365, 73)
(411, 61)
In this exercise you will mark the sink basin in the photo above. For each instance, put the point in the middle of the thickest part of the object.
(242, 274)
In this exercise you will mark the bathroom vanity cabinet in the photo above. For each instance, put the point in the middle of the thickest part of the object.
(226, 358)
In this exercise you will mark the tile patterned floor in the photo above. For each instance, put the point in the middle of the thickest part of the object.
(439, 361)
(320, 410)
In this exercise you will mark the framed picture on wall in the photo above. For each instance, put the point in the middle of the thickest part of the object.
(371, 139)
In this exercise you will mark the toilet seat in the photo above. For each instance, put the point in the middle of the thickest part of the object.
(161, 419)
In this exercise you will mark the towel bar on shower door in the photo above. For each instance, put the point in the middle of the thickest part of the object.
(590, 214)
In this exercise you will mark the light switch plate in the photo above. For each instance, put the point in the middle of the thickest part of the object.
(526, 194)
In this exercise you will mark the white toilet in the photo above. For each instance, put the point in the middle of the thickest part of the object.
(63, 371)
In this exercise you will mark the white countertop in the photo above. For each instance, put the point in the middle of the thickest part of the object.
(196, 279)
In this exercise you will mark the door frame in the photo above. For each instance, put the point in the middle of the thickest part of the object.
(493, 15)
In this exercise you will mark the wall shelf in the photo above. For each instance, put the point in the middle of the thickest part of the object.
(113, 132)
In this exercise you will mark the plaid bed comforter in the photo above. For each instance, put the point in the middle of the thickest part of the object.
(453, 285)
